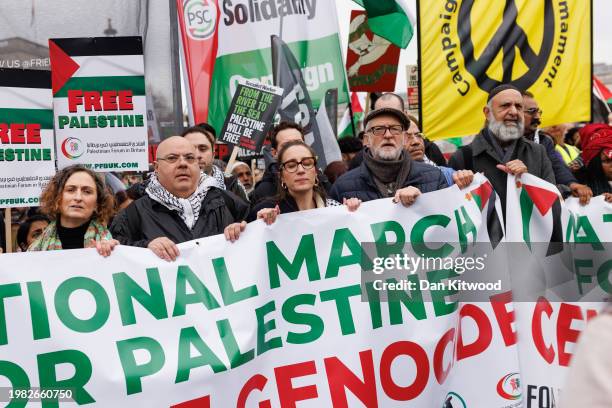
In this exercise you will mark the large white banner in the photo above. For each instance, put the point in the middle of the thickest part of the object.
(280, 317)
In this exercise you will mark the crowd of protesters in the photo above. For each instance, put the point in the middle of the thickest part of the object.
(190, 195)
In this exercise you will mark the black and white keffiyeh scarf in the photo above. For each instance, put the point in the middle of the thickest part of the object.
(187, 208)
(218, 175)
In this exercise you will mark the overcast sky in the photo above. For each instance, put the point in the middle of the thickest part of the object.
(602, 35)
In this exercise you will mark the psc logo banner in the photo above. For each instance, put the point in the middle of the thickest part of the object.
(467, 47)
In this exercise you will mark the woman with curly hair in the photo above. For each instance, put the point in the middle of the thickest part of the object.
(79, 205)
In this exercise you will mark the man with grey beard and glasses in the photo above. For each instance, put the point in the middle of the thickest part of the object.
(499, 148)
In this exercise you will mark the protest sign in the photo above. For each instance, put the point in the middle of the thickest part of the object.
(281, 316)
(99, 103)
(466, 50)
(251, 115)
(412, 90)
(235, 36)
(27, 157)
(371, 61)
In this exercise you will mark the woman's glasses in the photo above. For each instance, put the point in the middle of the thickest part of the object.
(291, 166)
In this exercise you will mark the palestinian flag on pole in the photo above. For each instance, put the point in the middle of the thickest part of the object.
(99, 102)
(390, 19)
(346, 129)
(482, 194)
(601, 91)
(27, 157)
(533, 208)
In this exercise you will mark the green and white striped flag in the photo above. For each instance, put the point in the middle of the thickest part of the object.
(99, 102)
(27, 159)
(390, 19)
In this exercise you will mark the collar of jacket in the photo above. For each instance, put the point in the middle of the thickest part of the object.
(480, 145)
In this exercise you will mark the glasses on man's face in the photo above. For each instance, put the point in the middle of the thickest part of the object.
(395, 130)
(291, 166)
(173, 158)
(532, 111)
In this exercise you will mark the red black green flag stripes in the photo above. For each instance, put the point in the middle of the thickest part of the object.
(486, 199)
(27, 158)
(100, 102)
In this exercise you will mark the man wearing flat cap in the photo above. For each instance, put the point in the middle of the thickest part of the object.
(499, 149)
(387, 169)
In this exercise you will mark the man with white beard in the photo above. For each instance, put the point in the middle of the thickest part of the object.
(499, 148)
(387, 169)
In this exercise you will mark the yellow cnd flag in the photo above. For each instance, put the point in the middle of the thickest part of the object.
(467, 47)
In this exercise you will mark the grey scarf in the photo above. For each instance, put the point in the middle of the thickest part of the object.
(389, 175)
(187, 208)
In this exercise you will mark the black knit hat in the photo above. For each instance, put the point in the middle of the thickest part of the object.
(390, 112)
(501, 88)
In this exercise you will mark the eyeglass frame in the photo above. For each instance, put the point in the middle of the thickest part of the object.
(189, 158)
(533, 111)
(387, 128)
(283, 166)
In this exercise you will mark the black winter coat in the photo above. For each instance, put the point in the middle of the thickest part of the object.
(359, 182)
(146, 219)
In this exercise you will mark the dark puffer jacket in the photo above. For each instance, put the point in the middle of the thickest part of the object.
(146, 219)
(359, 182)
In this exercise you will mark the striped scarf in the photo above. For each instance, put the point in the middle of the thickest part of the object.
(187, 208)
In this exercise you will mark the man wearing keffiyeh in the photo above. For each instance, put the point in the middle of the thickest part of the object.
(181, 204)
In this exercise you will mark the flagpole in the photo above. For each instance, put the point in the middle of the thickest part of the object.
(8, 230)
(350, 108)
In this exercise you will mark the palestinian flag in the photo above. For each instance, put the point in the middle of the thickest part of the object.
(99, 102)
(346, 129)
(481, 192)
(390, 19)
(534, 209)
(27, 154)
(601, 91)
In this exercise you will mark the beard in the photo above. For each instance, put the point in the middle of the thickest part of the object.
(503, 132)
(388, 154)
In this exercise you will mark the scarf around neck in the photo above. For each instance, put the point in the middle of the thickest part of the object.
(187, 208)
(389, 175)
(50, 241)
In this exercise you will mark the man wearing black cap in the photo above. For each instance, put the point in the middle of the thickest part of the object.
(387, 170)
(499, 148)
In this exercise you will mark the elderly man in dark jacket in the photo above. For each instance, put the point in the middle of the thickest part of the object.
(387, 169)
(180, 204)
(500, 148)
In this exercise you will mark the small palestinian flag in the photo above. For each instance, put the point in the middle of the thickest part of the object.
(538, 206)
(99, 102)
(345, 129)
(485, 197)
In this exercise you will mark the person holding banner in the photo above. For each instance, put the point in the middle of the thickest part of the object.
(79, 205)
(299, 189)
(282, 133)
(500, 148)
(387, 169)
(180, 204)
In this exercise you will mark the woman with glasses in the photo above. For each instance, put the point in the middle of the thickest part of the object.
(79, 205)
(298, 189)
